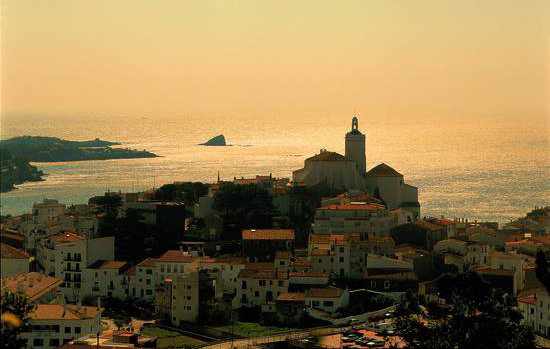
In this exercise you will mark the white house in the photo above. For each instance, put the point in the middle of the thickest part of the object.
(328, 299)
(52, 325)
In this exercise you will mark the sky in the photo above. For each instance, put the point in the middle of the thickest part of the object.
(452, 59)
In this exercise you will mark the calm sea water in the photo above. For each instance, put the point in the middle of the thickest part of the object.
(490, 169)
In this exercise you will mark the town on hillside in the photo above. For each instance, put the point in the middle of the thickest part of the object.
(338, 256)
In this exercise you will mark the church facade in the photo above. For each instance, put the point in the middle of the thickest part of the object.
(349, 172)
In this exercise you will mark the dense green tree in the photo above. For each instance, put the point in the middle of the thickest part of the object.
(477, 317)
(188, 192)
(242, 207)
(542, 271)
(15, 319)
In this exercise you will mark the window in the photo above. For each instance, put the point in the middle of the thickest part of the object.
(188, 298)
(67, 329)
(341, 250)
(168, 268)
(262, 282)
(315, 303)
(148, 281)
(243, 299)
(38, 342)
(77, 330)
(328, 303)
(188, 287)
(54, 342)
(256, 294)
(162, 268)
(148, 271)
(341, 259)
(149, 292)
(386, 284)
(55, 328)
(243, 285)
(281, 283)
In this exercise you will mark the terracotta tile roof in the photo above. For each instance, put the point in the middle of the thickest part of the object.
(292, 297)
(329, 292)
(7, 251)
(66, 237)
(354, 206)
(268, 234)
(176, 256)
(259, 265)
(494, 271)
(230, 260)
(63, 312)
(102, 264)
(147, 263)
(308, 274)
(263, 274)
(383, 170)
(33, 285)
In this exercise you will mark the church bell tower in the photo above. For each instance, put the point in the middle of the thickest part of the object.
(355, 146)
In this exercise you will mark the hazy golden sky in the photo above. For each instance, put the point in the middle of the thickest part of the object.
(411, 58)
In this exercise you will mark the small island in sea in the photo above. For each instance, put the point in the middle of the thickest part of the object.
(17, 152)
(218, 141)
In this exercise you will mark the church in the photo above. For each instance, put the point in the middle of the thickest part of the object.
(349, 172)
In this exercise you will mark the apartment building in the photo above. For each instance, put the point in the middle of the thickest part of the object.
(343, 255)
(177, 298)
(66, 255)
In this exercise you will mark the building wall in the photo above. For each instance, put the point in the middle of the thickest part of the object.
(54, 333)
(255, 291)
(13, 266)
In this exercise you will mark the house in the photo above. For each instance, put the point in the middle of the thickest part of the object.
(290, 307)
(260, 245)
(330, 299)
(354, 217)
(421, 233)
(52, 325)
(534, 305)
(38, 288)
(13, 261)
(143, 279)
(106, 279)
(260, 285)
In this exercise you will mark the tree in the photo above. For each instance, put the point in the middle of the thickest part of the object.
(15, 319)
(478, 317)
(243, 206)
(541, 270)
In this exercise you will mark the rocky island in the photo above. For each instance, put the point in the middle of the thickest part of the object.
(19, 151)
(219, 141)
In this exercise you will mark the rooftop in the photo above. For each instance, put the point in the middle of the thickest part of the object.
(327, 156)
(329, 292)
(7, 251)
(177, 256)
(102, 264)
(292, 297)
(63, 312)
(66, 237)
(33, 285)
(268, 234)
(353, 206)
(383, 170)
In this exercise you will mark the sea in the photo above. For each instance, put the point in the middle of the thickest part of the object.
(486, 168)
